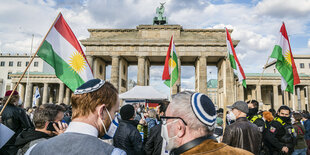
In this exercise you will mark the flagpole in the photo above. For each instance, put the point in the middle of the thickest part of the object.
(260, 78)
(28, 65)
(27, 83)
(171, 70)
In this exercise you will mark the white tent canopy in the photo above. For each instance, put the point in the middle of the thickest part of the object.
(142, 93)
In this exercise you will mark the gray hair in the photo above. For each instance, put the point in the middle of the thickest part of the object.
(181, 107)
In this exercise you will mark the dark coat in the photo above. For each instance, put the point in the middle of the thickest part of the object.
(243, 134)
(276, 137)
(154, 143)
(128, 138)
(16, 119)
(300, 130)
(307, 127)
(24, 139)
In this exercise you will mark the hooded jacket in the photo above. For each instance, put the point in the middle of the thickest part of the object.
(27, 138)
(243, 134)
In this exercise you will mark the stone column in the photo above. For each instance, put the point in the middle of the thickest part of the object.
(29, 94)
(201, 74)
(115, 72)
(123, 75)
(51, 96)
(147, 72)
(276, 104)
(45, 93)
(22, 92)
(90, 60)
(141, 71)
(68, 91)
(178, 82)
(240, 92)
(302, 99)
(61, 93)
(259, 93)
(253, 95)
(99, 68)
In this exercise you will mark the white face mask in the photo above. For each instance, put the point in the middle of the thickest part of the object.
(112, 129)
(105, 130)
(139, 110)
(164, 134)
(293, 120)
(231, 116)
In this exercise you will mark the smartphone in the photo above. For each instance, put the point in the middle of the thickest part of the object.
(50, 126)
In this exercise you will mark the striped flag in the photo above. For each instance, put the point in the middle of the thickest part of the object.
(171, 72)
(235, 64)
(63, 52)
(285, 62)
(36, 96)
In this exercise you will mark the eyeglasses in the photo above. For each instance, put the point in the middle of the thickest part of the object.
(164, 119)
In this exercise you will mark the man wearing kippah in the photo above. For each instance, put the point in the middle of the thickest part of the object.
(94, 105)
(242, 133)
(188, 126)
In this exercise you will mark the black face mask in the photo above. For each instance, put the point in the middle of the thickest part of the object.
(285, 119)
(252, 111)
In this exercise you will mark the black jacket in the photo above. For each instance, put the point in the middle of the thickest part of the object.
(128, 138)
(154, 143)
(26, 136)
(277, 136)
(16, 119)
(258, 121)
(243, 134)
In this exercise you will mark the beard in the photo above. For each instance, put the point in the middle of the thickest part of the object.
(107, 124)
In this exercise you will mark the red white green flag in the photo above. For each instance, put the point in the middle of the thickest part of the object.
(235, 64)
(171, 72)
(285, 62)
(63, 52)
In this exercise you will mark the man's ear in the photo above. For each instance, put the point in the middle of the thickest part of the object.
(100, 109)
(181, 128)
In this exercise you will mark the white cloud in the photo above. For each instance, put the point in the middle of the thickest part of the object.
(284, 9)
(256, 26)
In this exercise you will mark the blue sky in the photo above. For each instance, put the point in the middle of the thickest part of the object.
(256, 24)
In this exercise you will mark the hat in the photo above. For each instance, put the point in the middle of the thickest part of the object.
(89, 86)
(8, 93)
(127, 112)
(203, 108)
(241, 105)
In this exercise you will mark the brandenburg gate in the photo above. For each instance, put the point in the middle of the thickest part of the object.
(147, 45)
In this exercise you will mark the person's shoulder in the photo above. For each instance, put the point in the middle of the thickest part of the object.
(234, 150)
(275, 123)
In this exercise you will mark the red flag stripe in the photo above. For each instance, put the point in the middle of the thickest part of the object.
(166, 75)
(295, 73)
(234, 53)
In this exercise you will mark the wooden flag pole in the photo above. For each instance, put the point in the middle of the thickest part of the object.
(28, 66)
(260, 78)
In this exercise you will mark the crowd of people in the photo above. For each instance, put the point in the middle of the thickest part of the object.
(95, 123)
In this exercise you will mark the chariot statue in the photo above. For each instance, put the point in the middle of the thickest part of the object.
(160, 19)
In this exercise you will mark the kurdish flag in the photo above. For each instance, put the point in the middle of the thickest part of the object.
(285, 62)
(234, 62)
(63, 52)
(171, 72)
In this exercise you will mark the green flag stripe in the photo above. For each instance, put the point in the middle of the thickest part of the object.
(62, 70)
(284, 68)
(175, 72)
(232, 61)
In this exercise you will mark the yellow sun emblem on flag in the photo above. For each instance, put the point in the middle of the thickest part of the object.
(77, 62)
(172, 63)
(287, 56)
